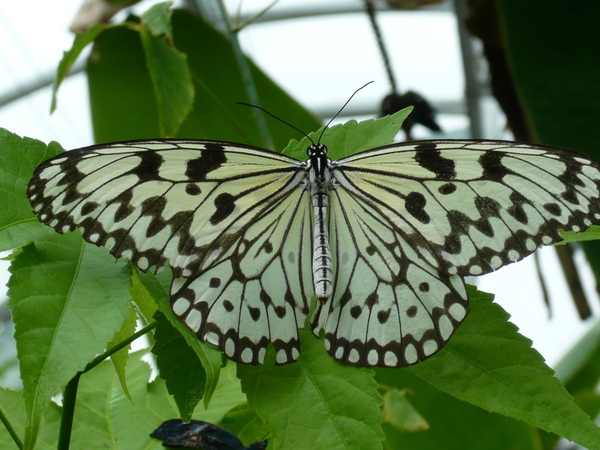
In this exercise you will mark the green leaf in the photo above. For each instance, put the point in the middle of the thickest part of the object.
(158, 19)
(140, 296)
(489, 364)
(18, 158)
(105, 418)
(228, 395)
(400, 413)
(12, 405)
(453, 424)
(591, 234)
(172, 81)
(243, 422)
(67, 299)
(315, 402)
(122, 93)
(561, 109)
(579, 370)
(208, 355)
(352, 137)
(69, 57)
(179, 366)
(120, 358)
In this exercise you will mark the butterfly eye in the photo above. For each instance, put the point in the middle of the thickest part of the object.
(316, 149)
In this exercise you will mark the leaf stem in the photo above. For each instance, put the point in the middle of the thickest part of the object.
(10, 429)
(70, 392)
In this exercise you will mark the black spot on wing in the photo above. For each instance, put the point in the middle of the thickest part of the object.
(415, 206)
(432, 160)
(254, 313)
(553, 208)
(225, 205)
(383, 316)
(125, 209)
(148, 168)
(570, 196)
(192, 189)
(516, 210)
(209, 160)
(446, 189)
(89, 207)
(70, 196)
(411, 311)
(493, 169)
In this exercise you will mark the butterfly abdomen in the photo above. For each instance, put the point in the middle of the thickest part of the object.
(322, 253)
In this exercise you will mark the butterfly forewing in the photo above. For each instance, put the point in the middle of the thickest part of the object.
(470, 207)
(121, 196)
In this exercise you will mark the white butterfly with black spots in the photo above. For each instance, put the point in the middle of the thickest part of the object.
(382, 238)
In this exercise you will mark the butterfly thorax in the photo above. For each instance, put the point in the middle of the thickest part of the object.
(319, 172)
(319, 180)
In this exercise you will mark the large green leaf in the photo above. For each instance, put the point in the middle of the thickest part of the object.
(168, 69)
(489, 364)
(453, 424)
(106, 418)
(122, 94)
(179, 366)
(18, 158)
(315, 402)
(120, 358)
(80, 42)
(67, 300)
(351, 137)
(228, 394)
(12, 405)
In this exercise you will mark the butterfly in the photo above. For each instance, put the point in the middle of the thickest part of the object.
(382, 239)
(198, 434)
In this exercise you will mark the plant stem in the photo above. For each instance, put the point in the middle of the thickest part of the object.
(10, 429)
(70, 392)
(247, 78)
(114, 349)
(68, 412)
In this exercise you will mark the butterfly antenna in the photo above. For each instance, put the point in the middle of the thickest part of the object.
(342, 108)
(278, 118)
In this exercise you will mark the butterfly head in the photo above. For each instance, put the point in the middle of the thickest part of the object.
(316, 150)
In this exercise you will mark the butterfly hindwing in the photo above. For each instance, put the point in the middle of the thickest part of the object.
(389, 307)
(258, 295)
